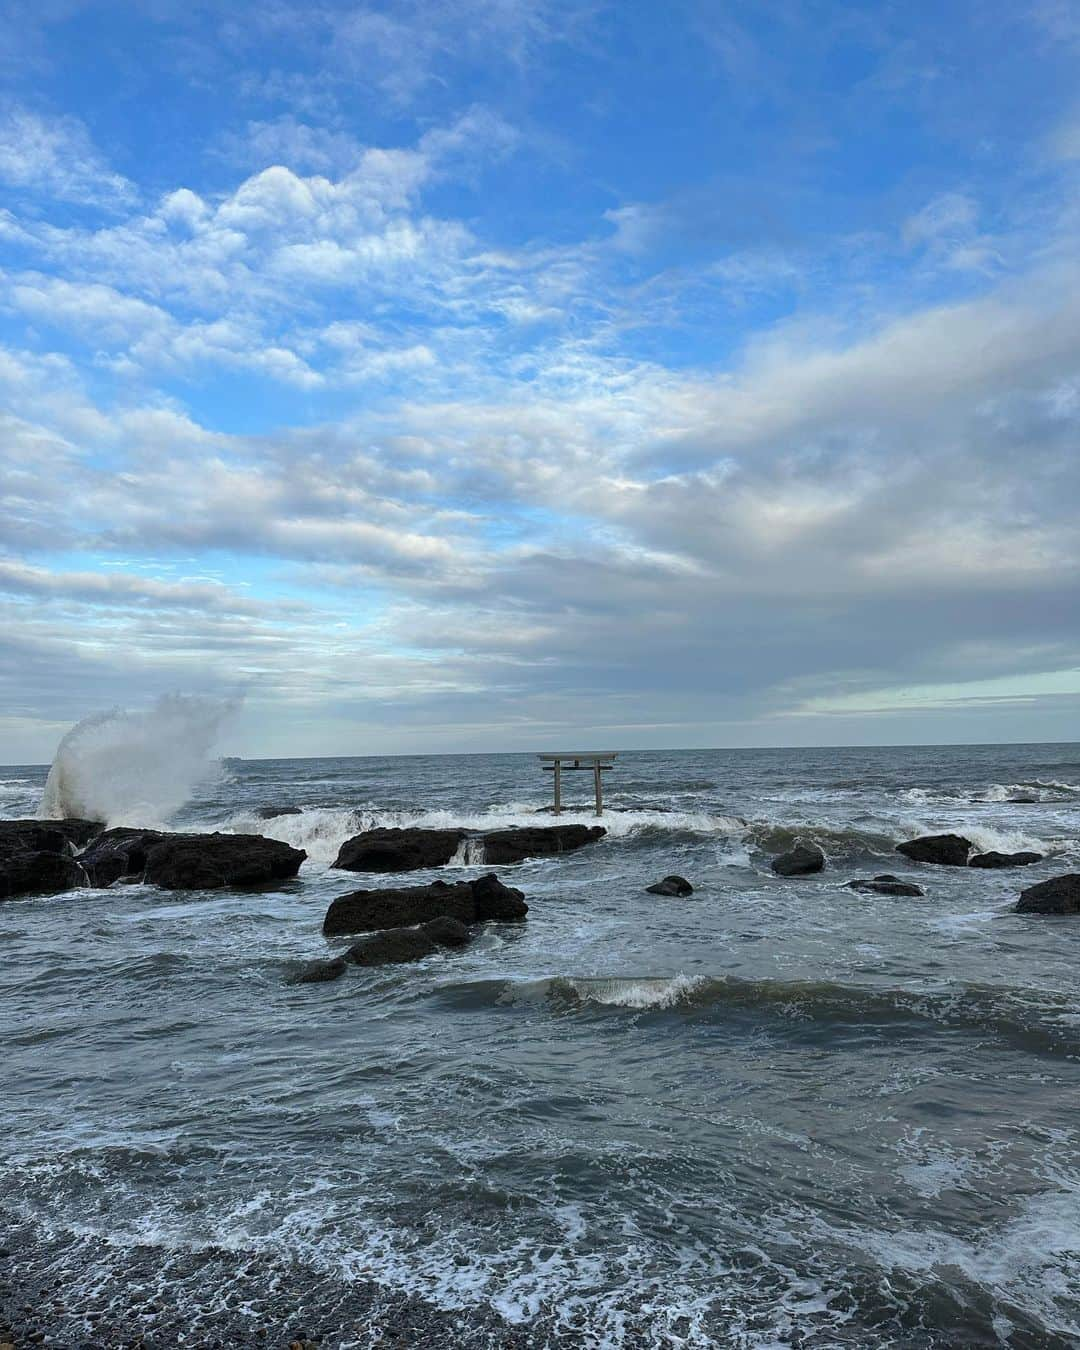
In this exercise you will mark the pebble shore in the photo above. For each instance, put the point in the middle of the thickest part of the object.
(84, 1294)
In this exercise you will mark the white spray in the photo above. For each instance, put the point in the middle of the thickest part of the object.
(135, 767)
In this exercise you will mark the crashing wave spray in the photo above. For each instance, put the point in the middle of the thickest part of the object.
(134, 767)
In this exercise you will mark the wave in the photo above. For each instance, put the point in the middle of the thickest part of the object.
(134, 767)
(1036, 1020)
(322, 830)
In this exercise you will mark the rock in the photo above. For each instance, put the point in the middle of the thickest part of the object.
(536, 841)
(800, 861)
(46, 836)
(391, 945)
(885, 885)
(320, 972)
(447, 932)
(946, 850)
(496, 903)
(187, 862)
(483, 900)
(1059, 895)
(38, 874)
(387, 850)
(116, 855)
(672, 885)
(1023, 798)
(37, 856)
(272, 812)
(1004, 859)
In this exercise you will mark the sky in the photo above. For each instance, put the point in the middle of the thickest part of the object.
(448, 375)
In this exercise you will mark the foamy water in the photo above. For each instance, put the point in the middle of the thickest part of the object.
(774, 1112)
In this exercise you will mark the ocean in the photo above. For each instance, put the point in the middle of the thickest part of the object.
(774, 1113)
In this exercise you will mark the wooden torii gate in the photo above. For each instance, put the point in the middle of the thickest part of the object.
(599, 761)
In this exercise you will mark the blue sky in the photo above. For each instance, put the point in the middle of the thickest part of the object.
(489, 374)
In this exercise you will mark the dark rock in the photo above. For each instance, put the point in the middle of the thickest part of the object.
(320, 972)
(1004, 859)
(1059, 895)
(946, 850)
(46, 836)
(391, 945)
(800, 861)
(468, 902)
(1023, 798)
(885, 885)
(387, 850)
(447, 932)
(496, 903)
(116, 855)
(185, 862)
(38, 874)
(272, 812)
(536, 841)
(672, 885)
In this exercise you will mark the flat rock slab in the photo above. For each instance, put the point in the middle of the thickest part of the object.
(993, 859)
(945, 850)
(189, 862)
(885, 885)
(672, 885)
(483, 900)
(406, 850)
(801, 861)
(1059, 895)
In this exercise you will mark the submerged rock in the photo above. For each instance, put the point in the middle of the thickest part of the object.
(537, 841)
(390, 850)
(885, 885)
(1059, 895)
(800, 861)
(946, 850)
(1023, 798)
(993, 859)
(321, 972)
(466, 902)
(390, 946)
(272, 812)
(186, 862)
(447, 932)
(672, 885)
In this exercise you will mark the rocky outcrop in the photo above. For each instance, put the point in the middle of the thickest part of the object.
(1059, 895)
(272, 812)
(37, 874)
(672, 885)
(393, 945)
(801, 861)
(189, 862)
(388, 850)
(993, 859)
(467, 902)
(536, 841)
(37, 856)
(945, 850)
(885, 885)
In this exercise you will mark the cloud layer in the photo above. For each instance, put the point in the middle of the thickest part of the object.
(447, 428)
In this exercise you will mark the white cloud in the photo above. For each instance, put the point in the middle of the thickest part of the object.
(55, 157)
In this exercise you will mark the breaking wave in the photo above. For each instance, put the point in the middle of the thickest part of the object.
(135, 767)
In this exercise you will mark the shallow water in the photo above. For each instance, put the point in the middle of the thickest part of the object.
(774, 1113)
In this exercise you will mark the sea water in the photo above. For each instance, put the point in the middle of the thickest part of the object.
(776, 1112)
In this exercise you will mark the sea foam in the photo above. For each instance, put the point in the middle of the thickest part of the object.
(135, 766)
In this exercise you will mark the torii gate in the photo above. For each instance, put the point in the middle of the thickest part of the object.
(599, 761)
